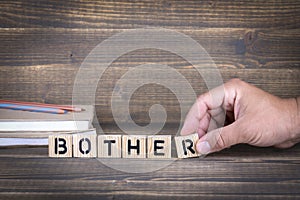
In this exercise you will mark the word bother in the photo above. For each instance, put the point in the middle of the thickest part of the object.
(121, 146)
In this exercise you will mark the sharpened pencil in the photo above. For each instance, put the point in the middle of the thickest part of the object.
(44, 105)
(32, 108)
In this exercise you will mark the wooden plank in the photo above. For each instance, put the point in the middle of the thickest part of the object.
(228, 47)
(117, 195)
(170, 14)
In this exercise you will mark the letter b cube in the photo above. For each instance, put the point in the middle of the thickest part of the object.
(60, 146)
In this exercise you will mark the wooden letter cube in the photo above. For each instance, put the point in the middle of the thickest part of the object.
(109, 146)
(186, 146)
(85, 145)
(159, 146)
(134, 146)
(60, 146)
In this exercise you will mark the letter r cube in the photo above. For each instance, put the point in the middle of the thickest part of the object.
(186, 146)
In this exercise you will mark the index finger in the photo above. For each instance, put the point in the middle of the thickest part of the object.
(204, 103)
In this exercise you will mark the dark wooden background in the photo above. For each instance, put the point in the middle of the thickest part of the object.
(43, 43)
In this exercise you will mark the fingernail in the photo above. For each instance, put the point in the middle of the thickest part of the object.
(203, 147)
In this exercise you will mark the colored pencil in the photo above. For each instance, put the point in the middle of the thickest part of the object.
(44, 105)
(32, 108)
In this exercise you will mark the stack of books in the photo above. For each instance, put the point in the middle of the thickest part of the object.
(19, 127)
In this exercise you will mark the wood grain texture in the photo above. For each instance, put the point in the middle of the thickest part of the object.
(43, 43)
(240, 172)
(228, 47)
(54, 84)
(135, 14)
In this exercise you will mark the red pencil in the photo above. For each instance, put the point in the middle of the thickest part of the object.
(32, 108)
(44, 105)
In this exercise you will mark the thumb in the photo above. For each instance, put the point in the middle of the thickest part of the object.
(218, 139)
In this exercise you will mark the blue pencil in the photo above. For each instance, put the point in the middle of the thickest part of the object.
(32, 108)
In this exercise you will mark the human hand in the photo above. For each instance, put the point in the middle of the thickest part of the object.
(254, 117)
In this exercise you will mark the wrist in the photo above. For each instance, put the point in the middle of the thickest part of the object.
(295, 119)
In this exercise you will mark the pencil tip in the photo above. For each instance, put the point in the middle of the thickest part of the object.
(82, 109)
(63, 112)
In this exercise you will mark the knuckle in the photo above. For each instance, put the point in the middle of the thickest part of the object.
(235, 81)
(220, 143)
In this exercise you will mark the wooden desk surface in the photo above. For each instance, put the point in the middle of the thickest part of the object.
(241, 172)
(43, 43)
